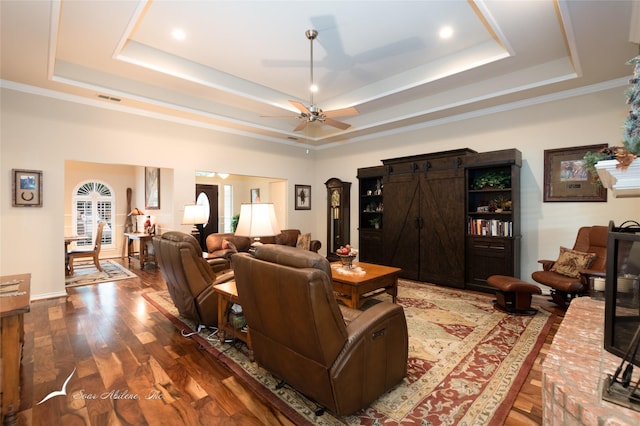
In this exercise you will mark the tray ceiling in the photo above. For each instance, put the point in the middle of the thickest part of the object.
(242, 61)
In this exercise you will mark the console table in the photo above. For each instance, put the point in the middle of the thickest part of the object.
(15, 293)
(144, 254)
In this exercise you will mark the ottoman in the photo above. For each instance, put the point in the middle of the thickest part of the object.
(513, 295)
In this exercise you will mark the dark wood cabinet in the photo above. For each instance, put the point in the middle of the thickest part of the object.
(424, 219)
(370, 214)
(438, 222)
(493, 217)
(338, 216)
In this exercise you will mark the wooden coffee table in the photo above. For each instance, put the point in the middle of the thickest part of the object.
(353, 289)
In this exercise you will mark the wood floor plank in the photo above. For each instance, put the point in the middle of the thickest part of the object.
(117, 342)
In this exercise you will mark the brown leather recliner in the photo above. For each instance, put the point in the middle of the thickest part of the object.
(299, 333)
(590, 239)
(189, 277)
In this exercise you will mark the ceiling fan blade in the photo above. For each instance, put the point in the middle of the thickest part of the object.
(278, 116)
(335, 123)
(341, 112)
(300, 106)
(301, 126)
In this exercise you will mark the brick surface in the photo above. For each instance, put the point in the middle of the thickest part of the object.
(573, 371)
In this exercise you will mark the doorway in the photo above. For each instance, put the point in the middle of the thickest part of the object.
(208, 195)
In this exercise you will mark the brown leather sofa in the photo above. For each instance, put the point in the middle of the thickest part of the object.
(590, 239)
(299, 333)
(189, 276)
(217, 247)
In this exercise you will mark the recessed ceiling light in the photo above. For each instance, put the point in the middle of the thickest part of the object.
(313, 88)
(446, 32)
(178, 34)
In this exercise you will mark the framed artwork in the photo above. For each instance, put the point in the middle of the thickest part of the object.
(303, 197)
(566, 179)
(255, 195)
(27, 188)
(152, 188)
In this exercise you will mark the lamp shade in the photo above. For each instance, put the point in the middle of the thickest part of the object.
(257, 220)
(195, 214)
(136, 212)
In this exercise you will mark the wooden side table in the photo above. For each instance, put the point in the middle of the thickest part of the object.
(227, 296)
(143, 254)
(15, 293)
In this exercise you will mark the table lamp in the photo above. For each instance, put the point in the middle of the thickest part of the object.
(135, 213)
(196, 215)
(257, 220)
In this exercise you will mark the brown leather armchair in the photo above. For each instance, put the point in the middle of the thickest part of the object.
(189, 276)
(590, 239)
(299, 334)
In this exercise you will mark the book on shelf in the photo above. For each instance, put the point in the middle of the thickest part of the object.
(490, 227)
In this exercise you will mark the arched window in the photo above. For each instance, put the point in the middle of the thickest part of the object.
(93, 202)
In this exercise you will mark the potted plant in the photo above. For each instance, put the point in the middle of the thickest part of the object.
(375, 222)
(492, 180)
(611, 165)
(234, 222)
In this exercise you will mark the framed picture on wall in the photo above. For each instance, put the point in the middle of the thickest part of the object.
(566, 179)
(255, 195)
(152, 188)
(303, 197)
(27, 188)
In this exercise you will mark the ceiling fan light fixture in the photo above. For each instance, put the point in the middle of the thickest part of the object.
(312, 113)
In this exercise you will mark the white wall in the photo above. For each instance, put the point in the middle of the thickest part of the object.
(41, 133)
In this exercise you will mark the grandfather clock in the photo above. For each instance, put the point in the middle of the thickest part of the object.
(337, 216)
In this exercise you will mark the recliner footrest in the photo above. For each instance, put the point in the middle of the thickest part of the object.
(512, 294)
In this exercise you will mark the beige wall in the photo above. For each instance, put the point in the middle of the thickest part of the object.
(583, 120)
(41, 133)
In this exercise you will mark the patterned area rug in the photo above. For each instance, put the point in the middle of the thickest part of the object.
(467, 361)
(85, 273)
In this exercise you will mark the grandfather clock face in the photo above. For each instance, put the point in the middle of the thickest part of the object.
(335, 198)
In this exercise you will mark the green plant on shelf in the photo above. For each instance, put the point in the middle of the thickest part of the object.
(375, 222)
(492, 180)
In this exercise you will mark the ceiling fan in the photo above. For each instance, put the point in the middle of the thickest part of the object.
(313, 113)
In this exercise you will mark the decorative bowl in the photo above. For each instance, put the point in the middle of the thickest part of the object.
(347, 260)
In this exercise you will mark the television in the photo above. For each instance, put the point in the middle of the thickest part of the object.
(622, 292)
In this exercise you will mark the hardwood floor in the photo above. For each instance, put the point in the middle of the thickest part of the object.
(132, 367)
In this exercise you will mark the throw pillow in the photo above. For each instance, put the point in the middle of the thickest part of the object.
(304, 241)
(571, 262)
(225, 244)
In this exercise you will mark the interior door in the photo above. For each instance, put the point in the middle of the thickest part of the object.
(210, 194)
